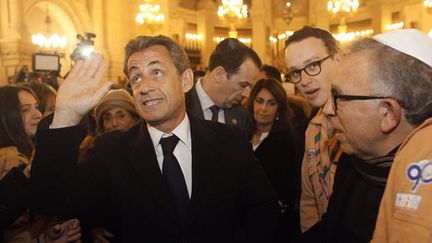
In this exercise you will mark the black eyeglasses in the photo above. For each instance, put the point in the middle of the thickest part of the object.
(312, 69)
(336, 96)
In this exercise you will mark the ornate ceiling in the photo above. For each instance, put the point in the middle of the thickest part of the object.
(192, 4)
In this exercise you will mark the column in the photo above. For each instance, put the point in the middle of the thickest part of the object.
(15, 41)
(260, 35)
(98, 14)
(381, 16)
(118, 21)
(318, 15)
(207, 19)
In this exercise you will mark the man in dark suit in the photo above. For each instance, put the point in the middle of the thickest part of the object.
(217, 96)
(206, 188)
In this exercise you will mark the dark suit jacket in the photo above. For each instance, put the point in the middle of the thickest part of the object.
(232, 199)
(237, 115)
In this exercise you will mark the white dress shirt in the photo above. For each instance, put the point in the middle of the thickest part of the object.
(182, 151)
(206, 103)
(264, 135)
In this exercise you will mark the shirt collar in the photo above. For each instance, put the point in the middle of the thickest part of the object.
(205, 100)
(182, 131)
(319, 118)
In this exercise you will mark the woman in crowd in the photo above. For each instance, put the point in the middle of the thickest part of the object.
(116, 111)
(297, 104)
(45, 94)
(19, 118)
(272, 138)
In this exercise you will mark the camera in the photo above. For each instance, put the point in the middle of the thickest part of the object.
(84, 48)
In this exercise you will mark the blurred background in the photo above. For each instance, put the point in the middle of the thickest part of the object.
(38, 39)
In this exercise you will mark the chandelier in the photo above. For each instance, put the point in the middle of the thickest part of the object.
(343, 8)
(234, 12)
(291, 8)
(232, 9)
(50, 43)
(150, 16)
(287, 12)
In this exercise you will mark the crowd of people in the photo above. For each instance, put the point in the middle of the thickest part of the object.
(228, 156)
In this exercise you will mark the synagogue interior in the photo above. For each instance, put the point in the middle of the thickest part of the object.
(39, 33)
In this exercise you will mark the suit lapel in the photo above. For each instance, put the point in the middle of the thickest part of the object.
(231, 117)
(203, 155)
(144, 161)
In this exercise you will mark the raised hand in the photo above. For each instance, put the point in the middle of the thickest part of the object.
(80, 91)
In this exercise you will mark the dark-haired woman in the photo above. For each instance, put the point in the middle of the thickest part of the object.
(19, 118)
(273, 139)
(45, 94)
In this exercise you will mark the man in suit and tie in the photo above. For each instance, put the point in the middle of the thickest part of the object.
(172, 178)
(217, 96)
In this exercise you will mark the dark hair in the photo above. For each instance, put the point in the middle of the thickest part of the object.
(198, 74)
(401, 76)
(12, 131)
(284, 112)
(231, 54)
(307, 31)
(140, 43)
(271, 72)
(42, 92)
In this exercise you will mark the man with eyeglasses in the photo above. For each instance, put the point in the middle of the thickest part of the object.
(312, 57)
(379, 97)
(406, 206)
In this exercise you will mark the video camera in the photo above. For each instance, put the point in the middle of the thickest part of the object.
(85, 47)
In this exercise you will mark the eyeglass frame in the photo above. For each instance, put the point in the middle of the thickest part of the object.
(319, 62)
(335, 96)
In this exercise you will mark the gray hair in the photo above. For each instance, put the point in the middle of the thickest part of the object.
(407, 79)
(140, 43)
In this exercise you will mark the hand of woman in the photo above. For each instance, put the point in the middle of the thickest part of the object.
(68, 231)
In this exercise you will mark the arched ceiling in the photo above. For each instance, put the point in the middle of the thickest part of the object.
(35, 21)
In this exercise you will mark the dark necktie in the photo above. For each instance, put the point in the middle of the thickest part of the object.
(175, 179)
(215, 113)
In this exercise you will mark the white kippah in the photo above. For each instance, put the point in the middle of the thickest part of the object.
(409, 41)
